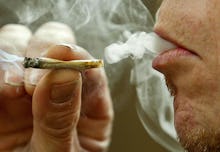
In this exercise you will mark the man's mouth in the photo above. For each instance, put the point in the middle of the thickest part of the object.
(170, 57)
(174, 63)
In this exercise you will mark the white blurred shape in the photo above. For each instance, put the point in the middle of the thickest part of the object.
(136, 46)
(12, 66)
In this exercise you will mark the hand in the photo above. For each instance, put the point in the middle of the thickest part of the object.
(55, 110)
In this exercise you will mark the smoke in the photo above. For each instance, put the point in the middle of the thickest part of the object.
(10, 59)
(97, 24)
(136, 46)
(12, 66)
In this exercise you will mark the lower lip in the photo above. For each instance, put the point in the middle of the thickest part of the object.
(171, 56)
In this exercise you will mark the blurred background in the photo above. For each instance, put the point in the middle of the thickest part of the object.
(129, 134)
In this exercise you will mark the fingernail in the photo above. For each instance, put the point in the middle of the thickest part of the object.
(61, 93)
(73, 47)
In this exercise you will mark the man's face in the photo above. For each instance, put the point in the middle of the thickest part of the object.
(193, 70)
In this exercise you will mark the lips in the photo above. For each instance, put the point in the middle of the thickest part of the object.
(169, 57)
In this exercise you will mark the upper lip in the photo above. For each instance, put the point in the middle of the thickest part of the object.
(175, 42)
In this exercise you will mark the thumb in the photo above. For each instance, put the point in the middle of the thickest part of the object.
(56, 110)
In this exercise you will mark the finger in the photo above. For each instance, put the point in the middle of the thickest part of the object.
(13, 39)
(95, 86)
(95, 123)
(46, 36)
(96, 113)
(56, 110)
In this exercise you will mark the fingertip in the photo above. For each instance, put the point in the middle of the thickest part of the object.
(65, 51)
(30, 89)
(48, 35)
(18, 28)
(56, 31)
(18, 35)
(60, 52)
(54, 25)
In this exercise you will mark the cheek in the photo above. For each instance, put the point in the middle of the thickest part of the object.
(205, 82)
(188, 23)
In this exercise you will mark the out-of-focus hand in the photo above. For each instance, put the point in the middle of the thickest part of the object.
(55, 110)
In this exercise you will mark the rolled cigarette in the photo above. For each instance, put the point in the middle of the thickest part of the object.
(49, 63)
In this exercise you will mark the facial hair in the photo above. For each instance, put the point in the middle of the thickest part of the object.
(197, 139)
(200, 140)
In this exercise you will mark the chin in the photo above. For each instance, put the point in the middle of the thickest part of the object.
(194, 136)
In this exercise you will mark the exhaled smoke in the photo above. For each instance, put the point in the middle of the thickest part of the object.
(97, 24)
(154, 106)
(136, 46)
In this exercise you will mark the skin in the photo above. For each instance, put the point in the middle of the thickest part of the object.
(54, 110)
(193, 79)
